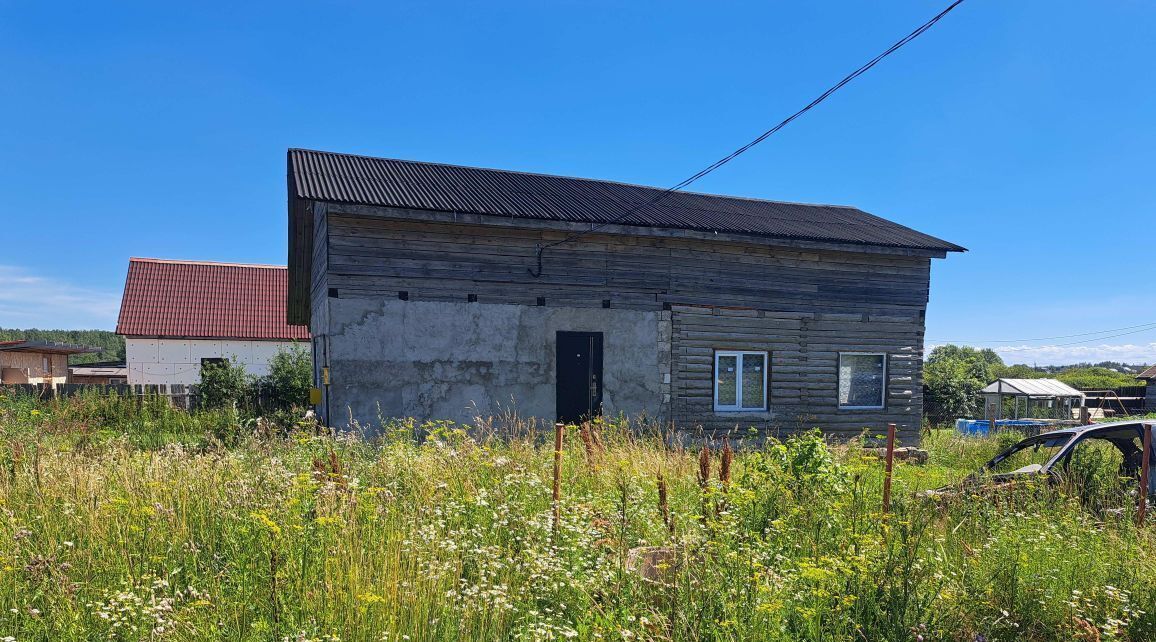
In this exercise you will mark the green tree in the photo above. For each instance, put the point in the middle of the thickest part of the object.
(952, 378)
(290, 378)
(223, 384)
(1021, 371)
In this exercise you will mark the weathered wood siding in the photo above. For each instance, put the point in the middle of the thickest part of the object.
(440, 261)
(803, 306)
(319, 279)
(803, 380)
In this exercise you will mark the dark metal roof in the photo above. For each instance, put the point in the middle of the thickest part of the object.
(45, 347)
(344, 178)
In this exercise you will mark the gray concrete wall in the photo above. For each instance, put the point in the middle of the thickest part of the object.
(441, 360)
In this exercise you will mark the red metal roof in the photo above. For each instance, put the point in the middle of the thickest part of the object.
(203, 300)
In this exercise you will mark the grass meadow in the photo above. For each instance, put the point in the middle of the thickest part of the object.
(132, 521)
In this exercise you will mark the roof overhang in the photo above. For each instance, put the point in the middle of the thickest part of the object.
(45, 347)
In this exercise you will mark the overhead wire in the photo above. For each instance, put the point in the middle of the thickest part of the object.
(540, 248)
(1146, 326)
(1111, 336)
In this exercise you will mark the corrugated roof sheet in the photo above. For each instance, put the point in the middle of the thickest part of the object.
(1033, 388)
(45, 347)
(344, 178)
(204, 300)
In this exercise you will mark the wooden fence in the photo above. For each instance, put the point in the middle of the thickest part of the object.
(1128, 400)
(186, 397)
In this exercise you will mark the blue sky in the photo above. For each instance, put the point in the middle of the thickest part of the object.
(1021, 130)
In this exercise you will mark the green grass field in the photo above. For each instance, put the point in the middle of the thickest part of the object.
(143, 523)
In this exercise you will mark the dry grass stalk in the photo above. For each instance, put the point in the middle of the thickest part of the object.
(724, 471)
(16, 461)
(589, 444)
(704, 481)
(664, 504)
(724, 474)
(330, 469)
(704, 467)
(596, 435)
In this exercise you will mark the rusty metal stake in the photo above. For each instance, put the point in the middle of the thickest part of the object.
(559, 430)
(890, 462)
(1142, 511)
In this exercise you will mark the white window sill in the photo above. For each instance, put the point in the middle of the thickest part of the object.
(746, 412)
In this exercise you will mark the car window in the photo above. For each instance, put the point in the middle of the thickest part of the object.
(1029, 455)
(1095, 460)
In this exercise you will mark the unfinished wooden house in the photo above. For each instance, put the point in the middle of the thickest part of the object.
(439, 291)
(37, 362)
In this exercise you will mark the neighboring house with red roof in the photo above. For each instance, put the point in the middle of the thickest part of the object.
(176, 316)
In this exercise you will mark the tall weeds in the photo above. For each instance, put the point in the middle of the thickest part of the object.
(181, 536)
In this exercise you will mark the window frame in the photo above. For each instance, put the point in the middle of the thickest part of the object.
(839, 380)
(738, 354)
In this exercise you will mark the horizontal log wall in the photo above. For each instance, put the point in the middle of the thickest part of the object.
(802, 386)
(801, 305)
(439, 261)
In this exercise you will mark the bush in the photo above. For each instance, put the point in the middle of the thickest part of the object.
(224, 384)
(1097, 379)
(290, 378)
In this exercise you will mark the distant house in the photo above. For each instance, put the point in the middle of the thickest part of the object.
(177, 316)
(37, 361)
(439, 291)
(1149, 377)
(104, 372)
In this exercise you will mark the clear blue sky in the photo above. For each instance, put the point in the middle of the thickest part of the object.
(1022, 130)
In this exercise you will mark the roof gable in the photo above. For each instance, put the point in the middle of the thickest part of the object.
(202, 300)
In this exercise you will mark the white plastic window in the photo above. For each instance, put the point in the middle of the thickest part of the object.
(740, 381)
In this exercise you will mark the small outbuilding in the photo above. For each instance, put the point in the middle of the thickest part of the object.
(1149, 379)
(1041, 399)
(177, 316)
(99, 373)
(37, 362)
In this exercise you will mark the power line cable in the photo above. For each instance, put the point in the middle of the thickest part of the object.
(1111, 336)
(1151, 324)
(765, 135)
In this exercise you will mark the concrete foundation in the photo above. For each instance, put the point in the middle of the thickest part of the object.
(442, 360)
